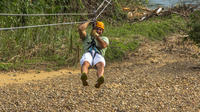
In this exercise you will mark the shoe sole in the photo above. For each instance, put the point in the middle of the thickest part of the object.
(100, 81)
(84, 79)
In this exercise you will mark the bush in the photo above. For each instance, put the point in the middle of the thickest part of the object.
(194, 25)
(119, 48)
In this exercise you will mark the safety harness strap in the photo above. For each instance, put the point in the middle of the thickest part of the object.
(94, 48)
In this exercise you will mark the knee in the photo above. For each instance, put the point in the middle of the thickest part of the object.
(87, 64)
(100, 65)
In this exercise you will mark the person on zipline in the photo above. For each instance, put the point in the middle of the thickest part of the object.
(95, 46)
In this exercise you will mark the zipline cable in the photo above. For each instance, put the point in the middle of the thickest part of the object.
(109, 2)
(23, 27)
(58, 14)
(99, 7)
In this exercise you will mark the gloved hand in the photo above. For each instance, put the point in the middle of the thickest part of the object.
(95, 34)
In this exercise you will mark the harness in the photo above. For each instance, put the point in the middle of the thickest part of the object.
(93, 49)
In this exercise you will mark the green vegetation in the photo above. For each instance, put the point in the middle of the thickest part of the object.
(124, 37)
(195, 27)
(154, 28)
(6, 66)
(59, 46)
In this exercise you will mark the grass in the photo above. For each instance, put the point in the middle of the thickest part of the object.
(154, 28)
(6, 66)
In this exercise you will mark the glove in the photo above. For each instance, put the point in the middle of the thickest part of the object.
(94, 33)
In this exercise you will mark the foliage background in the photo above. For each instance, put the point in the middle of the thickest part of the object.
(194, 25)
(59, 46)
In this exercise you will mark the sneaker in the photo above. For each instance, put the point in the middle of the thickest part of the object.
(84, 79)
(99, 82)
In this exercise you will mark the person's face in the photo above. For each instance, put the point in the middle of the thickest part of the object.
(99, 30)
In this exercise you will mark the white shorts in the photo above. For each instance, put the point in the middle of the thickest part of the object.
(88, 57)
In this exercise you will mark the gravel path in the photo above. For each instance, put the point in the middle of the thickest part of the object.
(159, 76)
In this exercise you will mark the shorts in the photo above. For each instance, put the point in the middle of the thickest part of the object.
(88, 57)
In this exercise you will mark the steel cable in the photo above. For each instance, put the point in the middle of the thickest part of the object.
(99, 6)
(109, 2)
(23, 27)
(58, 14)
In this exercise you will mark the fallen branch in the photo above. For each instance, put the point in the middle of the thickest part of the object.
(183, 10)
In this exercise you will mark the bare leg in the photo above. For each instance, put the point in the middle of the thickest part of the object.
(84, 68)
(84, 72)
(100, 69)
(100, 72)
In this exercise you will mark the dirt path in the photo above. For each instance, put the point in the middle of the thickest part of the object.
(159, 76)
(33, 75)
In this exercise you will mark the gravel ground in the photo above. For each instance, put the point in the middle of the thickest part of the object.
(159, 76)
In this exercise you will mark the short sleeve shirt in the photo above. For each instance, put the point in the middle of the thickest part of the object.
(88, 40)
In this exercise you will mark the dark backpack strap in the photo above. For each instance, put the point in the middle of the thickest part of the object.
(94, 47)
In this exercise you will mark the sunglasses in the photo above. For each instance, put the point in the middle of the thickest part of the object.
(97, 28)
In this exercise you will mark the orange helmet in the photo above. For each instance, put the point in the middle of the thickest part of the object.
(100, 24)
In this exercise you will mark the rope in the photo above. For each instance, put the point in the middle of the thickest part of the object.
(59, 14)
(23, 27)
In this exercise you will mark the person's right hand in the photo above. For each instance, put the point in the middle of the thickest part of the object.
(94, 33)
